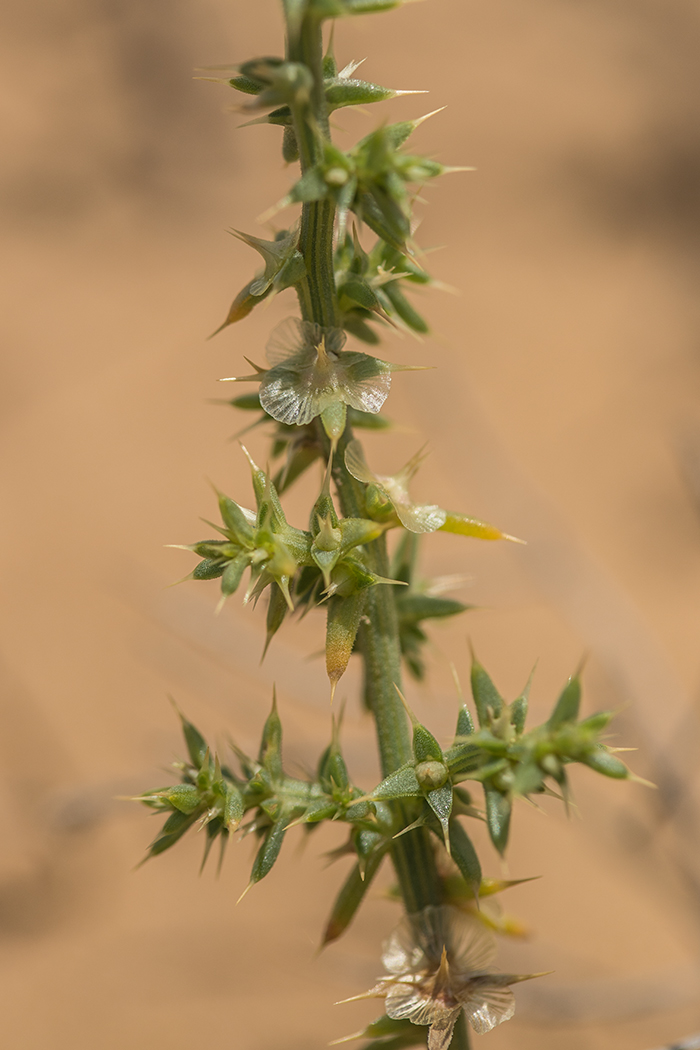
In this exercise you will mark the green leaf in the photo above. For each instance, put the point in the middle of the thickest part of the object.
(359, 292)
(234, 807)
(401, 784)
(384, 216)
(184, 797)
(343, 621)
(247, 402)
(567, 706)
(276, 611)
(463, 759)
(465, 725)
(345, 91)
(232, 574)
(270, 755)
(246, 85)
(603, 762)
(389, 1034)
(596, 723)
(290, 146)
(529, 778)
(498, 810)
(338, 771)
(242, 305)
(464, 855)
(355, 324)
(440, 801)
(351, 895)
(518, 709)
(269, 849)
(425, 746)
(404, 309)
(311, 187)
(415, 607)
(209, 569)
(486, 696)
(174, 828)
(196, 744)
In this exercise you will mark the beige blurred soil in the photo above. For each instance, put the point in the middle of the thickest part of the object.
(563, 406)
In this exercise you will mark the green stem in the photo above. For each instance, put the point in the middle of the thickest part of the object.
(317, 296)
(412, 854)
(460, 1036)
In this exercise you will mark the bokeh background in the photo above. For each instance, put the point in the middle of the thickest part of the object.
(563, 406)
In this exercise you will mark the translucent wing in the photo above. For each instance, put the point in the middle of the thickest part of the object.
(419, 517)
(287, 399)
(489, 1006)
(357, 464)
(473, 945)
(288, 339)
(401, 954)
(364, 381)
(403, 1001)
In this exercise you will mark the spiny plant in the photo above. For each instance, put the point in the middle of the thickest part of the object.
(352, 261)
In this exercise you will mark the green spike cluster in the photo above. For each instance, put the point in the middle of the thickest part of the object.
(211, 795)
(375, 180)
(324, 565)
(507, 760)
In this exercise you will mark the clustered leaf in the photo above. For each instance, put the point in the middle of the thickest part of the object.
(326, 564)
(509, 761)
(375, 180)
(372, 180)
(213, 796)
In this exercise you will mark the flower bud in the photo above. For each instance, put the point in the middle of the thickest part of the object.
(431, 775)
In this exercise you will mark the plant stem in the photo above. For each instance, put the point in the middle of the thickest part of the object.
(460, 1036)
(412, 853)
(317, 297)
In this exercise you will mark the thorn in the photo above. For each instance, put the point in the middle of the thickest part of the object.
(348, 1038)
(419, 120)
(246, 453)
(271, 212)
(455, 679)
(409, 712)
(244, 892)
(640, 780)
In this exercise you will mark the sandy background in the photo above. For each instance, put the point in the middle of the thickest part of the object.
(563, 406)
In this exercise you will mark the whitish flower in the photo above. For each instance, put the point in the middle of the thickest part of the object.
(416, 517)
(439, 962)
(311, 375)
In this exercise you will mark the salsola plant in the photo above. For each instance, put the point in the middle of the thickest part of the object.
(352, 261)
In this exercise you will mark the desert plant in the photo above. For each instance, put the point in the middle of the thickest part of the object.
(352, 261)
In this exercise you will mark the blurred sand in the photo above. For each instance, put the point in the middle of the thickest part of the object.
(563, 406)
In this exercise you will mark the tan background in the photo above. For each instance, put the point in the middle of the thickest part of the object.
(563, 406)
